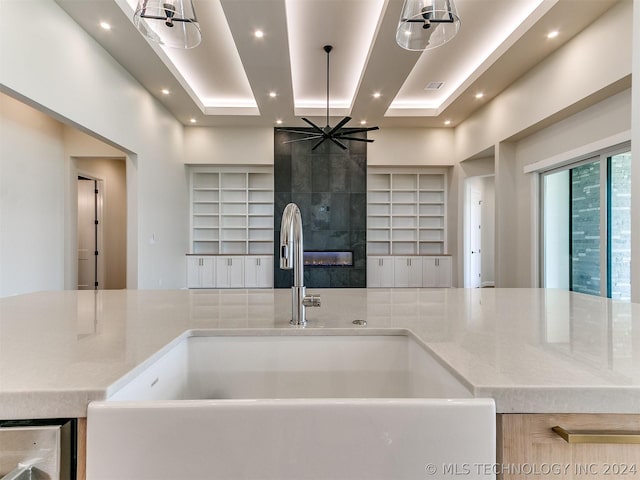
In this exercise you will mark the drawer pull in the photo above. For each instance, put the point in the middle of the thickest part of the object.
(597, 436)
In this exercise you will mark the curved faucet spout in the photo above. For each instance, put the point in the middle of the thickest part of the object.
(292, 257)
(291, 243)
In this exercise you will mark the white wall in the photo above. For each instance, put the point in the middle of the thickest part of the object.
(606, 119)
(31, 200)
(596, 59)
(228, 145)
(555, 94)
(609, 118)
(556, 228)
(61, 69)
(411, 146)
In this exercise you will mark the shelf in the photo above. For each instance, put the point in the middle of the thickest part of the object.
(406, 210)
(231, 209)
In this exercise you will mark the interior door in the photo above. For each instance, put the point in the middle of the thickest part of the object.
(475, 239)
(87, 240)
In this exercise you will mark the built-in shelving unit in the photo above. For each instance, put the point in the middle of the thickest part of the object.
(231, 210)
(406, 211)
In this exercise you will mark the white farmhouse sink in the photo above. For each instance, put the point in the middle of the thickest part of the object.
(296, 406)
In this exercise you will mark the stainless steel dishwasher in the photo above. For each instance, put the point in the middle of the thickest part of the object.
(38, 449)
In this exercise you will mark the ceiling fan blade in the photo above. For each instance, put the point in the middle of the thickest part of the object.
(355, 139)
(356, 130)
(303, 139)
(296, 130)
(313, 125)
(338, 142)
(339, 125)
(303, 132)
(317, 144)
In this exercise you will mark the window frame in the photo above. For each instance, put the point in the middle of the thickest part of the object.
(603, 155)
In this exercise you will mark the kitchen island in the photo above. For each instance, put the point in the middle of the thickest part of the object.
(532, 350)
(546, 357)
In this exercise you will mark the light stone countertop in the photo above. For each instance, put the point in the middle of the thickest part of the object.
(532, 350)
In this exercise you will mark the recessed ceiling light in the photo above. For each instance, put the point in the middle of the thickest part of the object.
(363, 122)
(193, 120)
(553, 34)
(479, 95)
(258, 34)
(447, 122)
(279, 122)
(377, 95)
(165, 91)
(105, 26)
(273, 94)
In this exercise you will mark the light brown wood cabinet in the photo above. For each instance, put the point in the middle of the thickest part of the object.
(527, 442)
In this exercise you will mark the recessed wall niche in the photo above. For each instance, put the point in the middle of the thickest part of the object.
(329, 185)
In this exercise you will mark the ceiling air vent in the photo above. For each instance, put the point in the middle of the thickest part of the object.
(434, 86)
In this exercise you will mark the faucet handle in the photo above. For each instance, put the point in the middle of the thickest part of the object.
(311, 301)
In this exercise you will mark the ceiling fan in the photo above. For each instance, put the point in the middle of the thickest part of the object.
(335, 134)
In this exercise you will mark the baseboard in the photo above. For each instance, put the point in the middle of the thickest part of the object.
(488, 284)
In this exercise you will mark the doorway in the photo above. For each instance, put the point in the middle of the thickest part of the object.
(475, 238)
(479, 225)
(90, 270)
(110, 205)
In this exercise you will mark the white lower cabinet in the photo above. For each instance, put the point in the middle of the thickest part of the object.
(407, 271)
(436, 272)
(258, 271)
(201, 272)
(230, 272)
(410, 271)
(380, 272)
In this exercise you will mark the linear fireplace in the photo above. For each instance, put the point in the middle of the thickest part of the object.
(328, 259)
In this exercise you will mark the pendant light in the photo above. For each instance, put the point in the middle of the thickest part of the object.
(172, 23)
(427, 24)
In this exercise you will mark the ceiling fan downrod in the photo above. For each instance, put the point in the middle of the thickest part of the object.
(335, 134)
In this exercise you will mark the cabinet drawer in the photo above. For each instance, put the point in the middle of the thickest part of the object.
(528, 439)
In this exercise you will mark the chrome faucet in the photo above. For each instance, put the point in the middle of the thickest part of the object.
(291, 256)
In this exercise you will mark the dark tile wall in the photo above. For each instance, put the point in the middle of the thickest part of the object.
(329, 185)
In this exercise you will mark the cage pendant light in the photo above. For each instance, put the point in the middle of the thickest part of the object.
(172, 23)
(427, 24)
